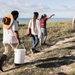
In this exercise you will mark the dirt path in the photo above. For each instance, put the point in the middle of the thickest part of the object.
(31, 57)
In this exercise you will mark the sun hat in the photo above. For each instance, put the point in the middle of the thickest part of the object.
(7, 21)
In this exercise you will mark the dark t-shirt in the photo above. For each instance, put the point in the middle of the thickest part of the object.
(43, 22)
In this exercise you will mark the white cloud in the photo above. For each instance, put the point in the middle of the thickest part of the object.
(68, 8)
(23, 7)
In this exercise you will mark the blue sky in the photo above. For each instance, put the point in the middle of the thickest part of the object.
(61, 8)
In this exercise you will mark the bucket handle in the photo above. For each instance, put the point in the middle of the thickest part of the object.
(21, 45)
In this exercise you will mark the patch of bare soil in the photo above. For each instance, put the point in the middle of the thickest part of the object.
(31, 57)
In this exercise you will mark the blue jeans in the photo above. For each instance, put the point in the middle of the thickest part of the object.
(35, 41)
(44, 35)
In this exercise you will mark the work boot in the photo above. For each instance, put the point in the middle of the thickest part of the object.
(2, 59)
(44, 43)
(35, 51)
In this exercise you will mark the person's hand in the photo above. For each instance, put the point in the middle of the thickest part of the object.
(18, 41)
(53, 14)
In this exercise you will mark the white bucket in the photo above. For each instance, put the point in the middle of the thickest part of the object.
(19, 55)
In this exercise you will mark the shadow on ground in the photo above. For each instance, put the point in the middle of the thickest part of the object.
(16, 67)
(69, 48)
(55, 62)
(61, 73)
(49, 63)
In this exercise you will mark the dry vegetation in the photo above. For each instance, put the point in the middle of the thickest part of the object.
(59, 61)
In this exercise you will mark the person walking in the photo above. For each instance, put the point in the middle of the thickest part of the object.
(73, 24)
(43, 24)
(10, 35)
(34, 25)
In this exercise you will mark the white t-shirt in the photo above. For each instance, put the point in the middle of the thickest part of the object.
(8, 36)
(38, 29)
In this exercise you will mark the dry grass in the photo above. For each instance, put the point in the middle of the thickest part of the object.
(59, 61)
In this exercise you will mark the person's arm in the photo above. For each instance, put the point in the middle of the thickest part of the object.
(73, 26)
(29, 25)
(50, 16)
(17, 36)
(15, 31)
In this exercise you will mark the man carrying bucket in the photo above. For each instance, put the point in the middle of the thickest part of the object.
(10, 35)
